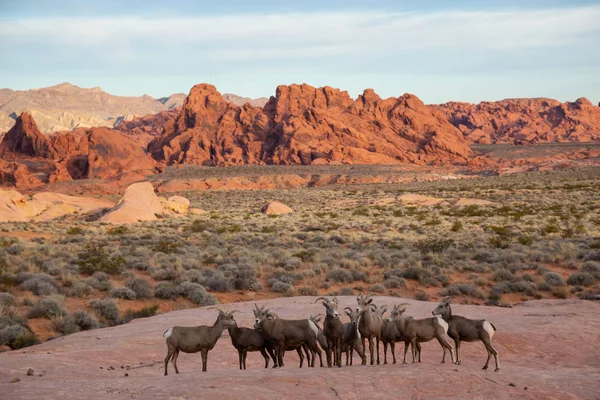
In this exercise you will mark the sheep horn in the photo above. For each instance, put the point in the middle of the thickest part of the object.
(322, 298)
(348, 308)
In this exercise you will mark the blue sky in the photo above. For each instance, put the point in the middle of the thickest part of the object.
(439, 50)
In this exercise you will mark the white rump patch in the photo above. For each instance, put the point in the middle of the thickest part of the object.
(168, 333)
(314, 327)
(443, 323)
(488, 328)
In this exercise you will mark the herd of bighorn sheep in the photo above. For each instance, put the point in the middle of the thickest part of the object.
(273, 336)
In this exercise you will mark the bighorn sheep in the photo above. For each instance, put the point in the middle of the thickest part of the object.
(283, 333)
(369, 326)
(333, 329)
(320, 336)
(392, 331)
(247, 339)
(193, 339)
(462, 329)
(351, 341)
(424, 330)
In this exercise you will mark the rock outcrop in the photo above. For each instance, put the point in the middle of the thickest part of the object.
(45, 206)
(276, 208)
(29, 158)
(307, 125)
(140, 203)
(525, 121)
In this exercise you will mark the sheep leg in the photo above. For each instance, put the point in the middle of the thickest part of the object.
(204, 353)
(170, 352)
(348, 354)
(406, 343)
(280, 351)
(385, 346)
(413, 349)
(273, 356)
(244, 356)
(458, 355)
(393, 350)
(377, 339)
(491, 350)
(174, 360)
(314, 348)
(445, 346)
(241, 357)
(310, 356)
(372, 349)
(328, 352)
(263, 352)
(419, 351)
(338, 349)
(364, 355)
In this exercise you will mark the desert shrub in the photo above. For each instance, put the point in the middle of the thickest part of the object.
(503, 275)
(80, 289)
(166, 290)
(525, 240)
(164, 274)
(292, 263)
(544, 287)
(433, 245)
(307, 291)
(394, 283)
(581, 279)
(421, 296)
(74, 230)
(241, 277)
(456, 226)
(554, 279)
(378, 288)
(217, 283)
(47, 307)
(78, 321)
(462, 289)
(197, 294)
(122, 293)
(394, 272)
(6, 299)
(559, 292)
(98, 284)
(591, 267)
(107, 310)
(542, 270)
(340, 275)
(145, 312)
(416, 273)
(95, 259)
(279, 286)
(17, 336)
(167, 246)
(346, 292)
(41, 285)
(139, 286)
(117, 230)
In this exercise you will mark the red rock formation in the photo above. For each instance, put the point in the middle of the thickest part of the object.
(25, 138)
(144, 129)
(525, 121)
(304, 125)
(95, 153)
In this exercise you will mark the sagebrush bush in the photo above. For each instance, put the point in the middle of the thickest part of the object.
(41, 285)
(197, 294)
(378, 288)
(107, 310)
(80, 289)
(581, 279)
(47, 307)
(394, 283)
(145, 312)
(462, 289)
(554, 279)
(78, 321)
(140, 287)
(340, 275)
(166, 290)
(6, 299)
(307, 291)
(122, 293)
(95, 258)
(17, 336)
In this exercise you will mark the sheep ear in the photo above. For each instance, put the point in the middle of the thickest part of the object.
(359, 297)
(370, 301)
(446, 300)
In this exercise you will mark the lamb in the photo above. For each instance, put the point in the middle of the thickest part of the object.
(424, 330)
(369, 326)
(333, 330)
(283, 333)
(192, 339)
(462, 329)
(351, 341)
(246, 339)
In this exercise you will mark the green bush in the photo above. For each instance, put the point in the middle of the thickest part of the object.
(47, 307)
(340, 275)
(78, 321)
(167, 246)
(197, 294)
(145, 312)
(122, 293)
(462, 289)
(140, 287)
(17, 337)
(94, 258)
(554, 279)
(166, 290)
(581, 279)
(41, 285)
(107, 310)
(75, 230)
(378, 288)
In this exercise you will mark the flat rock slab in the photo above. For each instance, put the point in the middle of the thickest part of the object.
(548, 350)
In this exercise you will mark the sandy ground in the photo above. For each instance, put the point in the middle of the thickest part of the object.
(549, 349)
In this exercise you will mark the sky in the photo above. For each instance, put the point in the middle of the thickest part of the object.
(440, 50)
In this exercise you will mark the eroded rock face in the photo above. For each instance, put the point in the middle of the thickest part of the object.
(276, 208)
(525, 121)
(306, 125)
(31, 158)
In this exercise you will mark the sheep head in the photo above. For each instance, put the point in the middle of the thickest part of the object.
(331, 306)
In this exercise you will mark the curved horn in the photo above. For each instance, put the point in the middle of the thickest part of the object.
(446, 299)
(322, 298)
(348, 308)
(359, 297)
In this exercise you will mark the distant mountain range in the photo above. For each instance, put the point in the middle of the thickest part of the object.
(66, 107)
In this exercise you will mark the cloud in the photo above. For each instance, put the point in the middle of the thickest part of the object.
(314, 35)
